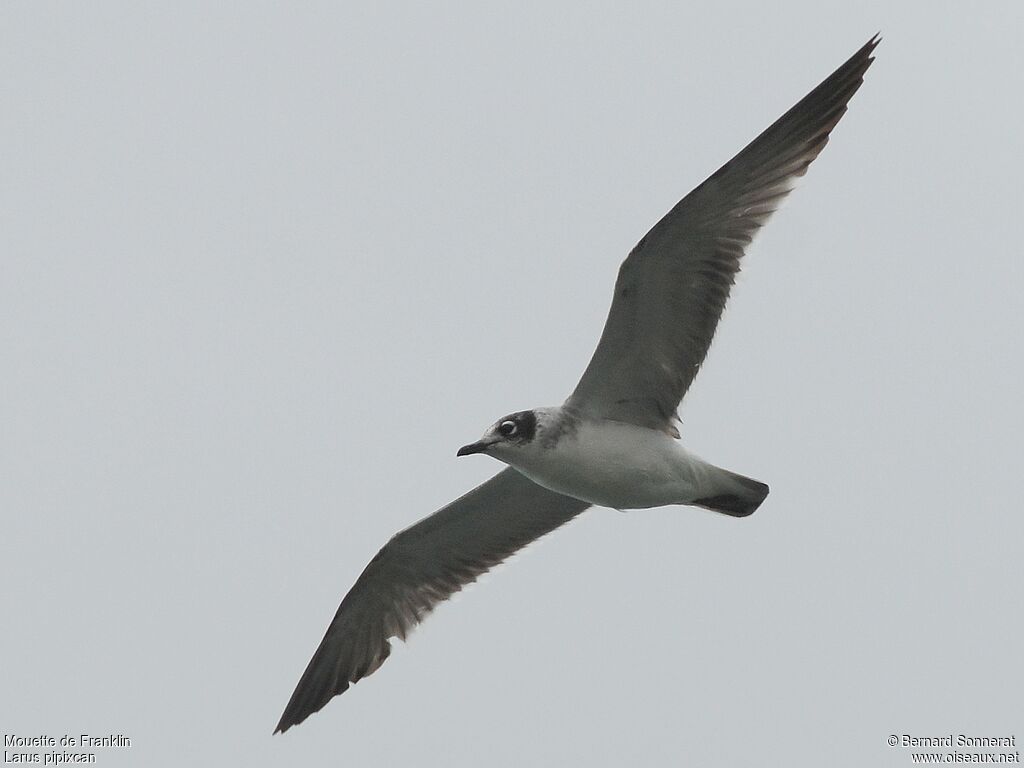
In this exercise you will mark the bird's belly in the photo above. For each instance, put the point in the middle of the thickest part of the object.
(626, 468)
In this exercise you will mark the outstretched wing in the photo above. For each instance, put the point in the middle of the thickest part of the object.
(419, 568)
(673, 286)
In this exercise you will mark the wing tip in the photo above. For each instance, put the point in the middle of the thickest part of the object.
(301, 707)
(292, 715)
(285, 723)
(865, 52)
(314, 690)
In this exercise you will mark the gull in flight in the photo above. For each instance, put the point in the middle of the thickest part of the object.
(615, 441)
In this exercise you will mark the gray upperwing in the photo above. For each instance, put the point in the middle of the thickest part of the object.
(672, 287)
(419, 568)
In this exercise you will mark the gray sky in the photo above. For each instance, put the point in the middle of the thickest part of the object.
(265, 269)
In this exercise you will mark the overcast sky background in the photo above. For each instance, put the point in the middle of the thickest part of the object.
(264, 269)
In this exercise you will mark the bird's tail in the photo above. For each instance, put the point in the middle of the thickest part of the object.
(731, 494)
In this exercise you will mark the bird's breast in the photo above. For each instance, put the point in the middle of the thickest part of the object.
(612, 464)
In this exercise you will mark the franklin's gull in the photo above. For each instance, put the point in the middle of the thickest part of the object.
(615, 440)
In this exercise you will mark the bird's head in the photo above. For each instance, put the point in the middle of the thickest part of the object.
(507, 434)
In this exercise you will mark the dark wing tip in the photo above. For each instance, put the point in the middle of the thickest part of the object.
(833, 93)
(310, 696)
(865, 51)
(789, 145)
(333, 668)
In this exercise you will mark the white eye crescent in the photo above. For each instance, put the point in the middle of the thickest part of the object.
(507, 428)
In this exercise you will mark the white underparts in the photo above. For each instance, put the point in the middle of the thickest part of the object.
(618, 465)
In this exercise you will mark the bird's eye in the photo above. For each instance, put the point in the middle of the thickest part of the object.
(507, 428)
